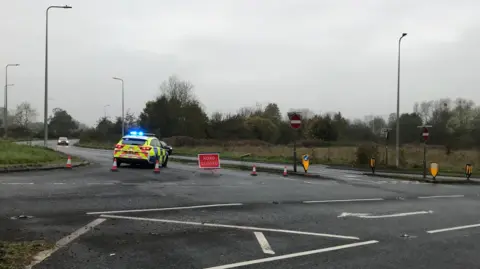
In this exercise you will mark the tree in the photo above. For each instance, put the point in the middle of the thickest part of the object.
(25, 115)
(323, 128)
(175, 112)
(272, 112)
(61, 123)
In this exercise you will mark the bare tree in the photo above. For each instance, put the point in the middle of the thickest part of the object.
(25, 114)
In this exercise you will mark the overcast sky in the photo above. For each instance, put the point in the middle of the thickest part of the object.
(326, 55)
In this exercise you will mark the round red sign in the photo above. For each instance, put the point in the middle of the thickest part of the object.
(295, 121)
(425, 133)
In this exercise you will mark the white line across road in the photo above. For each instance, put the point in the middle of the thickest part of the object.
(441, 196)
(454, 228)
(230, 226)
(41, 256)
(18, 183)
(343, 201)
(163, 209)
(262, 240)
(370, 216)
(293, 255)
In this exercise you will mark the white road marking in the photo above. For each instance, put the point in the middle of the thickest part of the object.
(441, 196)
(58, 183)
(18, 183)
(267, 249)
(454, 228)
(343, 201)
(293, 255)
(369, 216)
(163, 209)
(230, 226)
(41, 256)
(100, 183)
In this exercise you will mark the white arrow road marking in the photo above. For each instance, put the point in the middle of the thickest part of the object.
(369, 216)
(267, 249)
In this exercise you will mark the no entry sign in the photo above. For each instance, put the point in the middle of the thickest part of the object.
(295, 121)
(425, 133)
(209, 160)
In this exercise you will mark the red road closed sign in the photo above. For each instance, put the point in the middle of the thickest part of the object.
(209, 160)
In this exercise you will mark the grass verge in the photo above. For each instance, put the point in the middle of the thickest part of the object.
(17, 255)
(17, 155)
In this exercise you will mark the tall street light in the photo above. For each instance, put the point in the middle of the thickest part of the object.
(5, 112)
(397, 137)
(123, 106)
(105, 110)
(45, 119)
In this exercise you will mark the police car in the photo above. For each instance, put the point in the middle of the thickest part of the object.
(140, 148)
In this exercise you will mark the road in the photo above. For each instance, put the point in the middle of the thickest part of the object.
(186, 218)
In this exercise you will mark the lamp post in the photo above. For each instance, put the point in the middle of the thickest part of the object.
(45, 119)
(123, 106)
(5, 112)
(397, 136)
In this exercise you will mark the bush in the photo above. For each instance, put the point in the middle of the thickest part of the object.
(365, 152)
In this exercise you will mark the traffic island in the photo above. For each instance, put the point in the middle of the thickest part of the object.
(438, 180)
(258, 168)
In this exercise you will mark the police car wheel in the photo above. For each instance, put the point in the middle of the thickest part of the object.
(165, 163)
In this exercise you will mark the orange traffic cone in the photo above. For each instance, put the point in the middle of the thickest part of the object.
(254, 171)
(157, 168)
(69, 163)
(285, 172)
(114, 166)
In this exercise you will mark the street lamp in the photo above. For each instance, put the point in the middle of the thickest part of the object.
(123, 106)
(45, 119)
(397, 136)
(105, 110)
(5, 113)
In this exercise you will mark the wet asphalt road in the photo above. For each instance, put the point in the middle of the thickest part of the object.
(146, 220)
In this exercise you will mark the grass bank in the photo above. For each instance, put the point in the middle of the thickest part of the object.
(16, 155)
(17, 255)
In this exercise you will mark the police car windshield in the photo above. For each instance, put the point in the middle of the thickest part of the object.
(133, 141)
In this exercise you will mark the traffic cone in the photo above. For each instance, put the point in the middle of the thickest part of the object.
(157, 168)
(114, 166)
(69, 163)
(254, 171)
(285, 172)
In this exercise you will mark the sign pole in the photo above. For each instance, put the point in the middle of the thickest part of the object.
(424, 159)
(295, 153)
(386, 133)
(295, 123)
(425, 135)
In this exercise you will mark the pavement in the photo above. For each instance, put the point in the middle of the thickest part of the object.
(187, 218)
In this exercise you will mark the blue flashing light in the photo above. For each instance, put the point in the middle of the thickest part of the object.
(133, 133)
(140, 133)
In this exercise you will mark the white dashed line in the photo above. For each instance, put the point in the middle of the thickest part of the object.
(41, 256)
(343, 201)
(230, 226)
(454, 228)
(163, 209)
(441, 196)
(18, 183)
(262, 240)
(293, 255)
